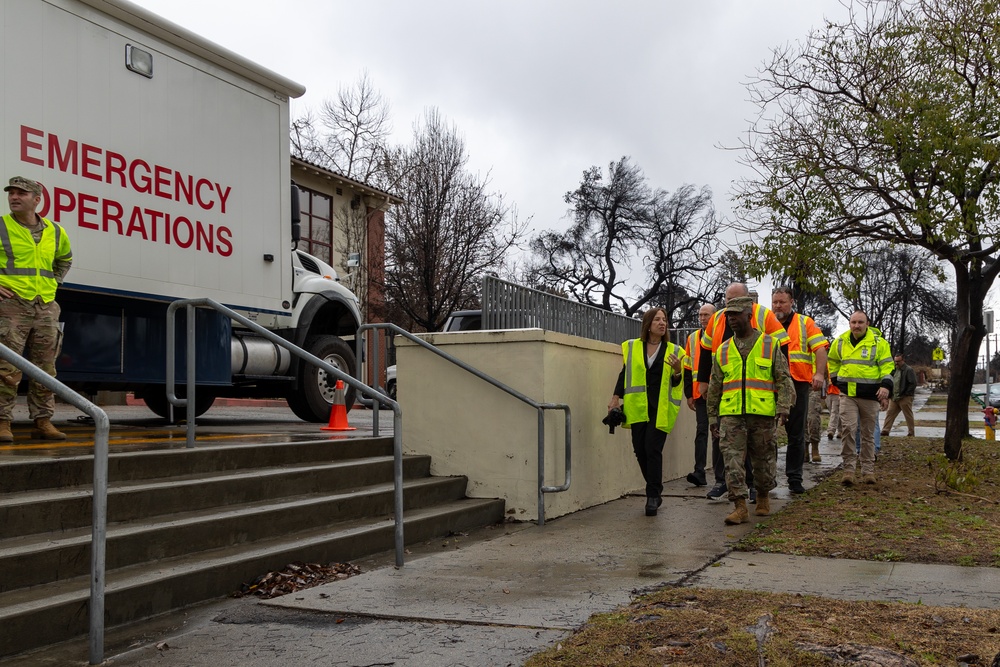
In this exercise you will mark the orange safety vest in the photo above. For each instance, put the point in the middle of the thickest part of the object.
(804, 338)
(693, 359)
(762, 319)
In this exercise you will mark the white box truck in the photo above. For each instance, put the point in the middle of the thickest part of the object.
(166, 159)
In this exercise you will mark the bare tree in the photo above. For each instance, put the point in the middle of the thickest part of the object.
(349, 134)
(450, 230)
(905, 298)
(885, 127)
(625, 232)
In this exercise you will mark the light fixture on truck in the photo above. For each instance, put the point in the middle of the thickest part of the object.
(139, 61)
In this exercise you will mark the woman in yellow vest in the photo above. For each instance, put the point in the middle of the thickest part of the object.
(651, 386)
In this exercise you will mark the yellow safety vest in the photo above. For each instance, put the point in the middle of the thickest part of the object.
(26, 266)
(635, 400)
(867, 363)
(748, 388)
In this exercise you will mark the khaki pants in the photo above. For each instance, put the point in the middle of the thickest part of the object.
(852, 411)
(904, 405)
(833, 403)
(814, 423)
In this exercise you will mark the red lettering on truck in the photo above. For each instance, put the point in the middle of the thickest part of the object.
(136, 224)
(155, 215)
(113, 213)
(115, 164)
(142, 183)
(225, 248)
(63, 161)
(162, 179)
(183, 230)
(91, 158)
(71, 156)
(84, 210)
(27, 144)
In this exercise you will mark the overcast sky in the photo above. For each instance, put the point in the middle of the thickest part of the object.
(541, 90)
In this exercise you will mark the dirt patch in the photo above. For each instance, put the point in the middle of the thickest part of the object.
(691, 626)
(922, 509)
(911, 514)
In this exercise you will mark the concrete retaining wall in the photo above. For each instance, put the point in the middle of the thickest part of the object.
(471, 428)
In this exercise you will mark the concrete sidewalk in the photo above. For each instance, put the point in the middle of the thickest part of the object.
(502, 594)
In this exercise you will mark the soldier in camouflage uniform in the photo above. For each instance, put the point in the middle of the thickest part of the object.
(34, 256)
(771, 388)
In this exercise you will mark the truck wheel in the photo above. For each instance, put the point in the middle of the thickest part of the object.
(313, 400)
(156, 400)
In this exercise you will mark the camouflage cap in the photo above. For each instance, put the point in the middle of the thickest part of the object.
(26, 184)
(739, 304)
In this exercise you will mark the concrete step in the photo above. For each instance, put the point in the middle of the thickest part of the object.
(34, 512)
(50, 613)
(187, 525)
(38, 559)
(60, 473)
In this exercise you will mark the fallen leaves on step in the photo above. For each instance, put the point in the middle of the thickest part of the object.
(296, 577)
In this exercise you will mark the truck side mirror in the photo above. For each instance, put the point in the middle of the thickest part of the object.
(296, 216)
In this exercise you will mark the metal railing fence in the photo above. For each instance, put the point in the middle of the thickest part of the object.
(510, 306)
(99, 524)
(540, 408)
(189, 402)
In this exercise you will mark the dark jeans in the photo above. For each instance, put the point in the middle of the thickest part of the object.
(647, 443)
(701, 437)
(795, 427)
(719, 465)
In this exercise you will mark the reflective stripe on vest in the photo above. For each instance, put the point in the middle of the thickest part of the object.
(635, 400)
(693, 360)
(800, 359)
(863, 365)
(27, 266)
(748, 387)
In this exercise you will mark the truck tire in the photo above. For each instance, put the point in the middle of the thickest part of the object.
(313, 400)
(156, 400)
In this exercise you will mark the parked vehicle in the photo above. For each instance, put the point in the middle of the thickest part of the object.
(166, 159)
(464, 320)
(390, 381)
(459, 320)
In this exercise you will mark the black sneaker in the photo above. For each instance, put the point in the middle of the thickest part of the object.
(695, 480)
(753, 495)
(796, 487)
(718, 492)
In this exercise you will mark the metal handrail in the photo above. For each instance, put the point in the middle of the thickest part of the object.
(99, 529)
(539, 407)
(189, 402)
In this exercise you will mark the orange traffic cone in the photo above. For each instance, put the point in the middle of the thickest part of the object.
(338, 414)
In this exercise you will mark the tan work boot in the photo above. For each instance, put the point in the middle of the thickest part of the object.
(763, 505)
(46, 431)
(739, 514)
(5, 434)
(815, 453)
(868, 478)
(848, 479)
